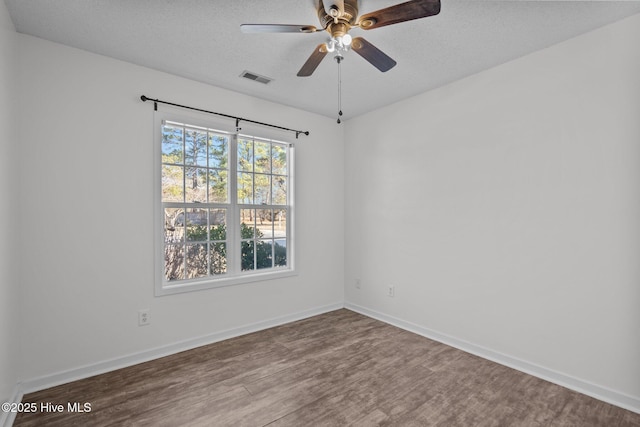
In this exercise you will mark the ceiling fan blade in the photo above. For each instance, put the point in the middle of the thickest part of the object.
(375, 56)
(277, 28)
(314, 60)
(402, 12)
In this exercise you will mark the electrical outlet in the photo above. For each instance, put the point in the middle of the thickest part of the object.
(358, 283)
(391, 290)
(144, 318)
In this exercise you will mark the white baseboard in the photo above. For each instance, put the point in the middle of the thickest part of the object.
(52, 380)
(598, 392)
(7, 418)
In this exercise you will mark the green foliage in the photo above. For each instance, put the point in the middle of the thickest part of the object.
(247, 232)
(217, 235)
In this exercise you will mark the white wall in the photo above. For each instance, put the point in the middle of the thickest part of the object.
(505, 208)
(8, 280)
(87, 207)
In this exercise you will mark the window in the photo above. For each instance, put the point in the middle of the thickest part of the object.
(225, 203)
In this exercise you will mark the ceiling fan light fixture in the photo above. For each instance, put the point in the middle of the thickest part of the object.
(346, 40)
(331, 45)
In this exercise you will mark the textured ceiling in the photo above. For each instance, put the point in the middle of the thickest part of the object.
(201, 40)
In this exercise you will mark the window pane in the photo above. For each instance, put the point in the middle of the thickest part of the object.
(245, 187)
(196, 224)
(172, 144)
(262, 189)
(264, 256)
(280, 223)
(247, 255)
(245, 155)
(195, 147)
(279, 190)
(264, 223)
(280, 253)
(218, 253)
(174, 262)
(217, 224)
(247, 222)
(173, 225)
(197, 261)
(218, 151)
(172, 183)
(262, 155)
(278, 159)
(218, 186)
(196, 185)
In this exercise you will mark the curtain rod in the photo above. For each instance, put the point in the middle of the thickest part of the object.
(238, 119)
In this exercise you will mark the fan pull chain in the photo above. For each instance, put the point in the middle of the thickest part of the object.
(339, 59)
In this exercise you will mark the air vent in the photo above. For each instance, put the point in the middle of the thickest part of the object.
(255, 77)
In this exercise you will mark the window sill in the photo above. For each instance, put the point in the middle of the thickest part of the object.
(200, 284)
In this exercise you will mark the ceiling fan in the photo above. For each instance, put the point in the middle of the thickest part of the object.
(337, 17)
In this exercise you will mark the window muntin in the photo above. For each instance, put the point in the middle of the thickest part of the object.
(226, 207)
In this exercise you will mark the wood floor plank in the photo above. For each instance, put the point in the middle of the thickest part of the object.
(335, 369)
(366, 392)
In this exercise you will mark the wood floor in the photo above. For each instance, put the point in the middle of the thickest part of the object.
(336, 369)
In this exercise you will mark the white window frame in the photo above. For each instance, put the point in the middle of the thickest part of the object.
(235, 276)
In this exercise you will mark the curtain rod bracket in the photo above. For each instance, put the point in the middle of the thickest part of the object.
(155, 107)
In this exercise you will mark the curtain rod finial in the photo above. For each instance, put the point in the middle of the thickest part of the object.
(144, 98)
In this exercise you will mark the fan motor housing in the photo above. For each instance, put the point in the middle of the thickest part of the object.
(347, 18)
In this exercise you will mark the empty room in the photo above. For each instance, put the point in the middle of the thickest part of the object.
(319, 213)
